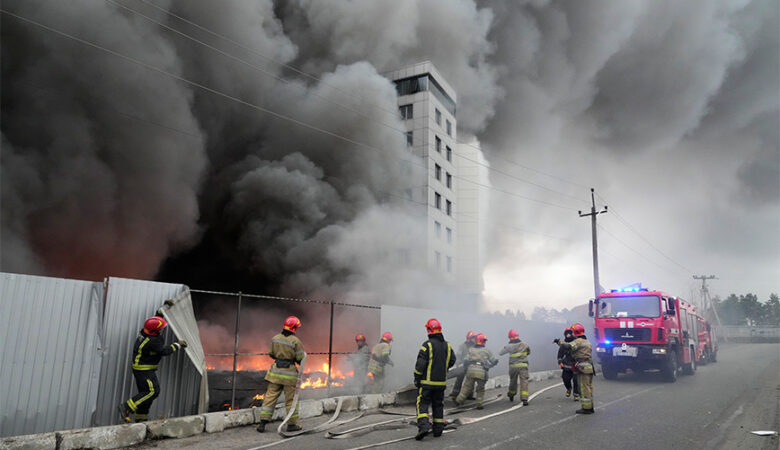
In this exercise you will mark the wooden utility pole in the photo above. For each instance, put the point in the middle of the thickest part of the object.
(705, 294)
(593, 213)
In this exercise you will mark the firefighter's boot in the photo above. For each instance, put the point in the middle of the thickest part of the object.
(568, 393)
(576, 397)
(511, 397)
(525, 402)
(438, 428)
(292, 427)
(584, 411)
(124, 412)
(261, 426)
(423, 428)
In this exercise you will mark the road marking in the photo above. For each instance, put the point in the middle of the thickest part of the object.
(566, 419)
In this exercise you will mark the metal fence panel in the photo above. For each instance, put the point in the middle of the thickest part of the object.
(128, 304)
(49, 353)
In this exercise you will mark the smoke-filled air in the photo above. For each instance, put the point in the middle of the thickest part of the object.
(257, 146)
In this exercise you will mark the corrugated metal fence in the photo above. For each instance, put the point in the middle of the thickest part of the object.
(65, 352)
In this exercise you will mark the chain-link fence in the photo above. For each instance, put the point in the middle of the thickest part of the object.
(236, 330)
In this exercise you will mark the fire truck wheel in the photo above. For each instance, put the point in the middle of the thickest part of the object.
(705, 358)
(714, 357)
(610, 372)
(670, 371)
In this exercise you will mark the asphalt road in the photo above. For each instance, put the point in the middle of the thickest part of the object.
(717, 407)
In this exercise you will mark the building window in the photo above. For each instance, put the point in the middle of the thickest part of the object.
(438, 144)
(437, 257)
(449, 154)
(437, 201)
(437, 227)
(409, 138)
(449, 128)
(449, 207)
(437, 171)
(407, 111)
(449, 264)
(449, 180)
(438, 117)
(449, 235)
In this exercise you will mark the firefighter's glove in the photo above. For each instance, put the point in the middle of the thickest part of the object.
(390, 363)
(168, 302)
(417, 382)
(556, 341)
(159, 313)
(182, 343)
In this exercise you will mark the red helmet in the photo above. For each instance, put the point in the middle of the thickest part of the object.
(387, 336)
(470, 336)
(292, 323)
(480, 339)
(568, 331)
(360, 337)
(154, 324)
(433, 326)
(513, 334)
(578, 329)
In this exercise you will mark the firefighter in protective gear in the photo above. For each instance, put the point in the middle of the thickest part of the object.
(380, 357)
(148, 350)
(286, 351)
(360, 361)
(430, 377)
(582, 353)
(518, 366)
(566, 363)
(478, 361)
(463, 350)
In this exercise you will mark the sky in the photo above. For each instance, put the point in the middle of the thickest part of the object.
(252, 144)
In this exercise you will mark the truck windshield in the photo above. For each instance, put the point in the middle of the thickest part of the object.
(634, 306)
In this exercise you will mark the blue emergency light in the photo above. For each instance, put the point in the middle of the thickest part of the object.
(607, 342)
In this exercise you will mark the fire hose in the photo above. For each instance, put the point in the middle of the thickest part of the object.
(451, 426)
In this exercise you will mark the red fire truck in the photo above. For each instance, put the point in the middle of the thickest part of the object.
(708, 345)
(639, 329)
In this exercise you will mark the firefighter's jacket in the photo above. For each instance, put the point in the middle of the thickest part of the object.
(518, 353)
(463, 350)
(148, 350)
(433, 360)
(564, 355)
(360, 360)
(380, 357)
(478, 361)
(582, 352)
(286, 350)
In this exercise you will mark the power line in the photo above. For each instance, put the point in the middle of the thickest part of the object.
(633, 230)
(390, 126)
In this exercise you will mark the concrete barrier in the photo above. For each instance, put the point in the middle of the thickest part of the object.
(116, 436)
(176, 427)
(43, 441)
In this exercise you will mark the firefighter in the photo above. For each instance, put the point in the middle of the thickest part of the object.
(463, 350)
(380, 357)
(478, 361)
(148, 350)
(430, 377)
(286, 351)
(566, 362)
(582, 353)
(518, 366)
(360, 361)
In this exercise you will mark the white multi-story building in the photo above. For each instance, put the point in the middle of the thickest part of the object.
(428, 106)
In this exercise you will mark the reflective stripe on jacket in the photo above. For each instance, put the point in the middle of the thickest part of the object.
(479, 360)
(433, 360)
(286, 349)
(148, 350)
(380, 356)
(518, 353)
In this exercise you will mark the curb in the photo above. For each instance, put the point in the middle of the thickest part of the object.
(118, 436)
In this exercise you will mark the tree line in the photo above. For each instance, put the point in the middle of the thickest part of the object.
(747, 310)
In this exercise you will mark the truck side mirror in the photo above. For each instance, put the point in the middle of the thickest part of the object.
(590, 308)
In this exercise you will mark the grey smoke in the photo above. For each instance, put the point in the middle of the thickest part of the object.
(110, 168)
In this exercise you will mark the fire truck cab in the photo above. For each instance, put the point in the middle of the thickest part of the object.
(640, 329)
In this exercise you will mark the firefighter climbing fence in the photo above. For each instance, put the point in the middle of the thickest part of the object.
(256, 318)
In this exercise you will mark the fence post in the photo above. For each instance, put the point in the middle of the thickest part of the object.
(330, 346)
(235, 355)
